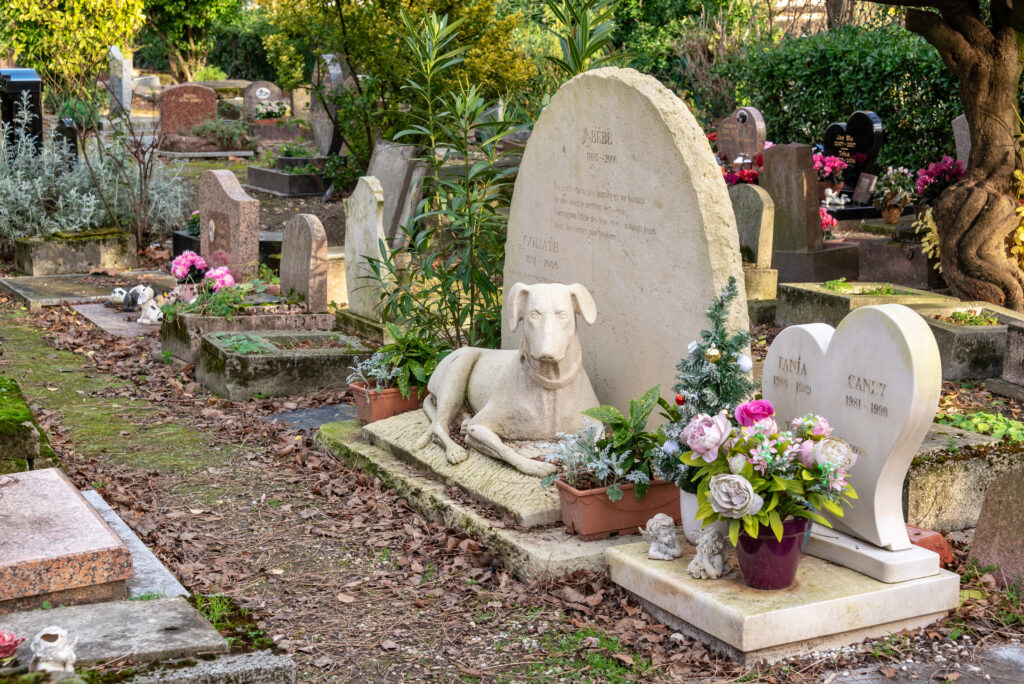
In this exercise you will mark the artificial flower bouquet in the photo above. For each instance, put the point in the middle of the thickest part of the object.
(753, 473)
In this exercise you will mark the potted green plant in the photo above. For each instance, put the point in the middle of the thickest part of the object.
(599, 470)
(893, 193)
(768, 483)
(394, 379)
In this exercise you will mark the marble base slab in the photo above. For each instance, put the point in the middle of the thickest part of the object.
(487, 480)
(880, 564)
(55, 546)
(42, 291)
(828, 605)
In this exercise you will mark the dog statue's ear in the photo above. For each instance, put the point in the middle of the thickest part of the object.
(516, 298)
(583, 303)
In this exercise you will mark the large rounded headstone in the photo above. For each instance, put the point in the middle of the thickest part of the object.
(328, 77)
(619, 190)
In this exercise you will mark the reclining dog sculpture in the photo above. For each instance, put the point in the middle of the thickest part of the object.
(532, 393)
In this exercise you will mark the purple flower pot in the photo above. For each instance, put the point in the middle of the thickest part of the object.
(767, 563)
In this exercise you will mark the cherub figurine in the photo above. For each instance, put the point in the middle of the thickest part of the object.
(53, 651)
(661, 533)
(709, 563)
(835, 199)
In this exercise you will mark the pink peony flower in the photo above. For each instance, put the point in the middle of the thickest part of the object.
(821, 428)
(184, 262)
(805, 452)
(749, 413)
(9, 643)
(220, 278)
(705, 435)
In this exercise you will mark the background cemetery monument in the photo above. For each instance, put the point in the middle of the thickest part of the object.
(229, 224)
(618, 190)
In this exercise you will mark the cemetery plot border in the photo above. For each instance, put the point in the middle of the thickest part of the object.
(971, 351)
(63, 253)
(801, 303)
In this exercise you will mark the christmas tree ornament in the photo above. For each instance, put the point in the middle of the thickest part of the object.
(713, 354)
(680, 400)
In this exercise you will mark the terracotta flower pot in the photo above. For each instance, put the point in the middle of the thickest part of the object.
(825, 185)
(767, 563)
(592, 515)
(372, 405)
(892, 214)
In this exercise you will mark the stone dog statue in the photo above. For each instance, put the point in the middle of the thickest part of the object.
(532, 393)
(709, 563)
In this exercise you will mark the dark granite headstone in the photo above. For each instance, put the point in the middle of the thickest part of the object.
(741, 136)
(184, 106)
(14, 85)
(857, 143)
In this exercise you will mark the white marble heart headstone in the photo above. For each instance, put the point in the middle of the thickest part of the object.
(877, 379)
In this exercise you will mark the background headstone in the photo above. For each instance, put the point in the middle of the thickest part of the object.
(755, 221)
(328, 78)
(999, 537)
(257, 93)
(15, 84)
(791, 181)
(364, 229)
(184, 106)
(401, 176)
(229, 224)
(962, 135)
(300, 103)
(857, 143)
(121, 82)
(741, 135)
(876, 379)
(304, 261)
(618, 190)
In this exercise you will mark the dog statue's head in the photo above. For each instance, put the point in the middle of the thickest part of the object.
(548, 313)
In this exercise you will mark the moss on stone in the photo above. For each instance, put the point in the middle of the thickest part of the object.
(14, 414)
(67, 236)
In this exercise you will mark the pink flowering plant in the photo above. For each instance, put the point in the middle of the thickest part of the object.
(219, 278)
(830, 169)
(938, 176)
(188, 267)
(828, 221)
(754, 473)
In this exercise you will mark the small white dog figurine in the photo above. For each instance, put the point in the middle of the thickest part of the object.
(53, 651)
(661, 533)
(117, 296)
(151, 313)
(709, 563)
(136, 297)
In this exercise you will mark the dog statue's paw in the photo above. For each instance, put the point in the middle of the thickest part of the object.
(456, 454)
(536, 468)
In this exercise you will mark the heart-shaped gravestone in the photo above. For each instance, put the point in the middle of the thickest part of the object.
(741, 136)
(857, 143)
(877, 379)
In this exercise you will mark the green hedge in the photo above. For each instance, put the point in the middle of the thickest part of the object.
(803, 84)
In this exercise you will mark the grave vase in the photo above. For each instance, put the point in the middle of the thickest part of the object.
(372, 405)
(892, 215)
(692, 527)
(767, 563)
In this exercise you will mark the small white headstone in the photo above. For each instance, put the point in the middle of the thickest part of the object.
(364, 229)
(618, 190)
(877, 379)
(120, 81)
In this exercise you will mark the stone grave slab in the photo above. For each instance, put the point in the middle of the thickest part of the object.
(999, 537)
(882, 404)
(490, 482)
(313, 418)
(304, 261)
(63, 253)
(790, 180)
(261, 667)
(898, 261)
(54, 546)
(857, 143)
(828, 606)
(41, 291)
(801, 303)
(1011, 384)
(364, 232)
(113, 321)
(741, 136)
(529, 554)
(618, 190)
(229, 224)
(184, 106)
(150, 575)
(142, 631)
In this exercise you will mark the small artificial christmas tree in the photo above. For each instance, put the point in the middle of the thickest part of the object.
(714, 377)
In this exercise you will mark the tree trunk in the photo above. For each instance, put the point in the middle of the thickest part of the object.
(976, 216)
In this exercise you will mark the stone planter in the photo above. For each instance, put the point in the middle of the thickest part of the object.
(281, 367)
(284, 184)
(898, 262)
(285, 163)
(590, 514)
(182, 335)
(372, 405)
(272, 131)
(800, 303)
(62, 253)
(971, 351)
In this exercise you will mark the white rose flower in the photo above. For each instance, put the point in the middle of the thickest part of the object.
(745, 363)
(836, 452)
(736, 463)
(733, 496)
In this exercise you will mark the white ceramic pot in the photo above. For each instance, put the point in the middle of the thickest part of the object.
(691, 526)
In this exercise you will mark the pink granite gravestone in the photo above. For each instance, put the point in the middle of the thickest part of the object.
(184, 106)
(304, 261)
(999, 537)
(229, 224)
